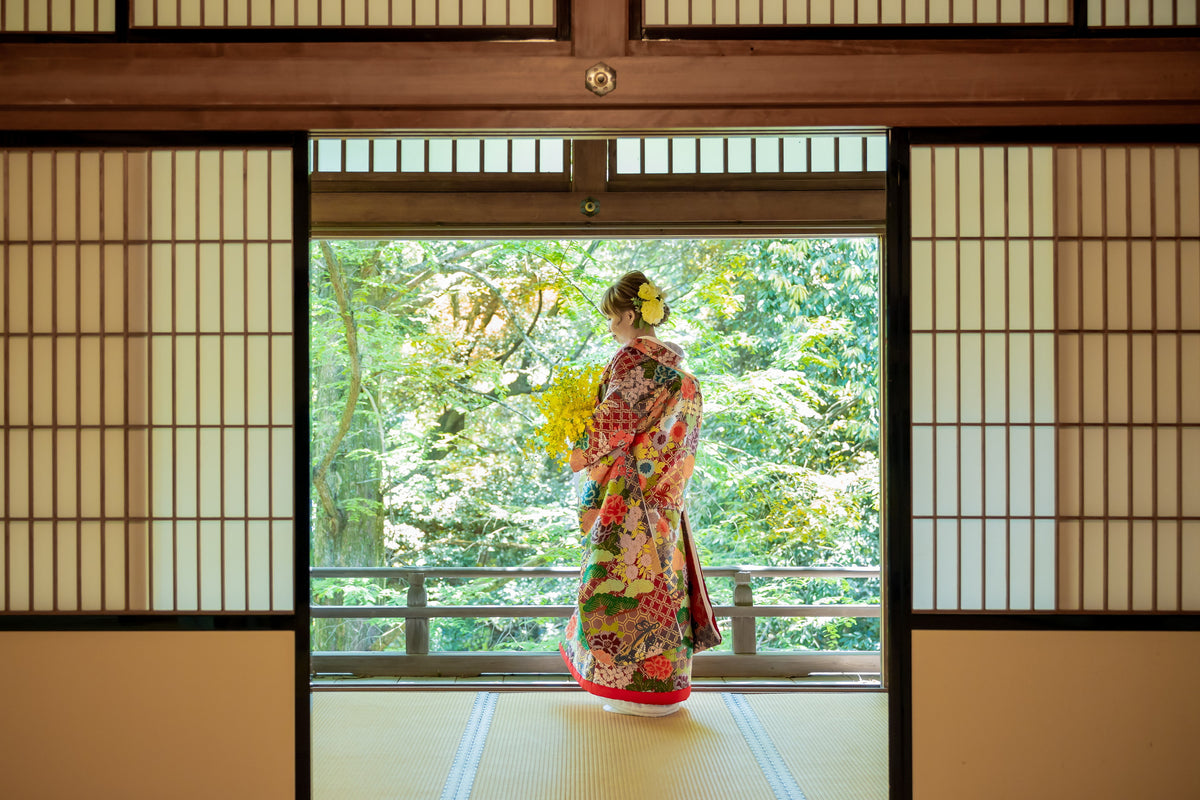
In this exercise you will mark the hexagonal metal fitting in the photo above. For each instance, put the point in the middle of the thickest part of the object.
(600, 79)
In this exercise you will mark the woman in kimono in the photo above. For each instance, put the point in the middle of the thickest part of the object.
(642, 609)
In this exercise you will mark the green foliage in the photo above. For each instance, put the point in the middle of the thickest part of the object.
(456, 339)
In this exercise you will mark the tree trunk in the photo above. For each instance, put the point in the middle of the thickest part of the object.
(349, 514)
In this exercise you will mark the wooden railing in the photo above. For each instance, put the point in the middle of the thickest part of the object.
(745, 660)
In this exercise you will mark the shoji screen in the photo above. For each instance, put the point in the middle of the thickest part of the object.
(1142, 13)
(983, 378)
(146, 422)
(757, 13)
(512, 18)
(345, 13)
(1129, 377)
(57, 16)
(658, 15)
(1055, 378)
(844, 156)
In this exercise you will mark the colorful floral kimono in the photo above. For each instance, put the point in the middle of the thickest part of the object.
(642, 609)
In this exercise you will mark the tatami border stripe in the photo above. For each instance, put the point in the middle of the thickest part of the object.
(461, 778)
(773, 767)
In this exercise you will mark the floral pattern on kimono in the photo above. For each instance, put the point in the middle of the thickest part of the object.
(642, 609)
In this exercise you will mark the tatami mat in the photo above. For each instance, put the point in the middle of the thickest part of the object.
(564, 746)
(835, 744)
(385, 745)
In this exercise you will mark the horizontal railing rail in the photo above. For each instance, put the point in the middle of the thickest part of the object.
(512, 611)
(745, 660)
(568, 572)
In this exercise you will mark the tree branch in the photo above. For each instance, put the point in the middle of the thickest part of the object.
(433, 265)
(504, 302)
(494, 399)
(568, 277)
(582, 346)
(536, 316)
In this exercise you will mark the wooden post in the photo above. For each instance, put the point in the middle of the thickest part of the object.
(599, 28)
(745, 635)
(590, 172)
(416, 631)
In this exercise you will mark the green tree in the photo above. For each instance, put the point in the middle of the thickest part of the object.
(425, 355)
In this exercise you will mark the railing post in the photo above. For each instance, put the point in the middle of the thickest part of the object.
(416, 631)
(745, 634)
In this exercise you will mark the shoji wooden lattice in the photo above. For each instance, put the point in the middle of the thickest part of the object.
(413, 157)
(146, 422)
(1056, 378)
(1129, 377)
(1142, 13)
(344, 13)
(57, 16)
(983, 378)
(798, 155)
(759, 13)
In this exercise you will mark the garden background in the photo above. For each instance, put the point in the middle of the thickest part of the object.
(426, 357)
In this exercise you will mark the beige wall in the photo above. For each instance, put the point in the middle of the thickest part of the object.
(1055, 714)
(146, 715)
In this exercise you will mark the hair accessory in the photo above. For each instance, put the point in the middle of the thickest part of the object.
(649, 304)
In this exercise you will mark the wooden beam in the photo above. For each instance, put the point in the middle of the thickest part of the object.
(449, 213)
(330, 86)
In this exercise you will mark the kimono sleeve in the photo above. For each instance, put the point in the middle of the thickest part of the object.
(616, 418)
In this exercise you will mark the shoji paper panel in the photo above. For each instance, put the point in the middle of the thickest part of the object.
(675, 13)
(330, 155)
(983, 378)
(1142, 13)
(343, 13)
(146, 420)
(803, 154)
(57, 16)
(1129, 377)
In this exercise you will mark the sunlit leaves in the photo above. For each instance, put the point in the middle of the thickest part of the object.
(456, 338)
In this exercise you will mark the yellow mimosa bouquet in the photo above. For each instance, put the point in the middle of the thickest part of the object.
(567, 405)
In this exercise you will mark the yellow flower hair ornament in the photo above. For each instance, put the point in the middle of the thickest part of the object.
(649, 304)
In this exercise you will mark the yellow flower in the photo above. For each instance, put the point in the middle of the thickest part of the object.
(648, 291)
(652, 311)
(567, 405)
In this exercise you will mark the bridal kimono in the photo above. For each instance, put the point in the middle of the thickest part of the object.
(642, 608)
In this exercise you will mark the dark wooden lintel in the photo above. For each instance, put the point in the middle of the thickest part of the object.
(737, 212)
(538, 87)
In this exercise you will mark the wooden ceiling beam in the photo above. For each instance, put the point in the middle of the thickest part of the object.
(450, 213)
(329, 86)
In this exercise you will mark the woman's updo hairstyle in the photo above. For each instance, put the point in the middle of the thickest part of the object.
(627, 294)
